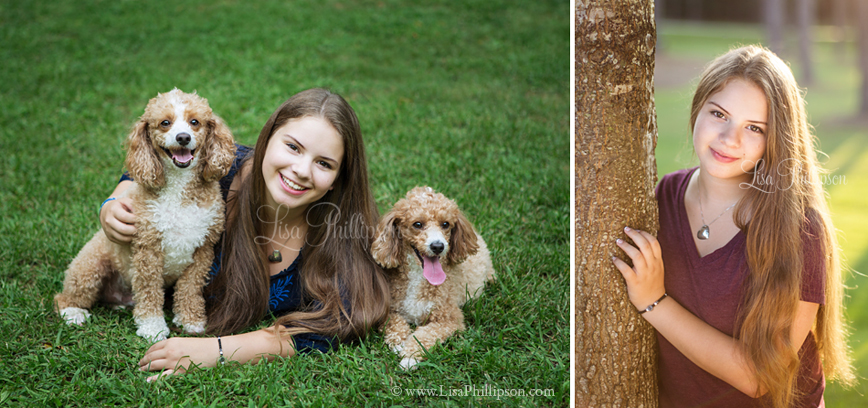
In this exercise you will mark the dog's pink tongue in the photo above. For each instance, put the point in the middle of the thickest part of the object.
(182, 155)
(432, 271)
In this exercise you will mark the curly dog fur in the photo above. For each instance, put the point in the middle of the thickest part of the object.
(177, 153)
(436, 262)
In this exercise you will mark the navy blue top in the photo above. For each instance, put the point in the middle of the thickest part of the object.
(285, 294)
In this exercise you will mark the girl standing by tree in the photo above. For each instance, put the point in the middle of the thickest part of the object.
(749, 310)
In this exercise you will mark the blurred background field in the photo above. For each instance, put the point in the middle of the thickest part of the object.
(832, 106)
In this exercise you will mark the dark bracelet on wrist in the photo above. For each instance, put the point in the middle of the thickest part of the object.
(651, 306)
(221, 359)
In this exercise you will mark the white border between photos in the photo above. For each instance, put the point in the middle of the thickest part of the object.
(572, 202)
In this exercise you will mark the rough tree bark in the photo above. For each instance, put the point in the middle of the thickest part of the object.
(616, 133)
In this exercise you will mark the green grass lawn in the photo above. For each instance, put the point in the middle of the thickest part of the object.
(832, 101)
(470, 97)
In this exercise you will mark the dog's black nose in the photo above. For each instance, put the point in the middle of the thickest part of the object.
(183, 139)
(437, 247)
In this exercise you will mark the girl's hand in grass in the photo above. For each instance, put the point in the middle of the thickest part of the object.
(645, 278)
(175, 355)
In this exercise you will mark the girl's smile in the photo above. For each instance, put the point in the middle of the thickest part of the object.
(291, 187)
(722, 157)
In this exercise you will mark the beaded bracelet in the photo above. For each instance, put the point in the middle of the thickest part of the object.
(221, 360)
(651, 306)
(103, 203)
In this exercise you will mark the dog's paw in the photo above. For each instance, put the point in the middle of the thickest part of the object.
(409, 363)
(397, 348)
(191, 328)
(74, 315)
(153, 329)
(198, 328)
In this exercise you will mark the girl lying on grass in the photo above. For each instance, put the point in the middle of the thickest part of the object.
(281, 252)
(748, 312)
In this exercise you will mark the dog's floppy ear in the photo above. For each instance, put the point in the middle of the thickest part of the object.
(462, 243)
(218, 152)
(386, 248)
(142, 161)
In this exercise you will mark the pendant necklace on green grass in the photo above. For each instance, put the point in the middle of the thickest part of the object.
(705, 232)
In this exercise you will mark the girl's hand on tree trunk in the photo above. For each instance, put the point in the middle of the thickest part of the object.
(645, 278)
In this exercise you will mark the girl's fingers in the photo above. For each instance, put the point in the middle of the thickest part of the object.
(123, 228)
(641, 242)
(160, 375)
(633, 253)
(653, 243)
(626, 271)
(156, 352)
(153, 364)
(125, 214)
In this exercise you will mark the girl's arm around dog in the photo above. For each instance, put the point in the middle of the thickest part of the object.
(116, 216)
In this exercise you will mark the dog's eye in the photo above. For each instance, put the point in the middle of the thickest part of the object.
(444, 225)
(417, 225)
(165, 123)
(194, 122)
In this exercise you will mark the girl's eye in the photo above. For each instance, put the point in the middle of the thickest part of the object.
(417, 225)
(444, 225)
(165, 123)
(194, 122)
(292, 147)
(717, 114)
(755, 129)
(325, 164)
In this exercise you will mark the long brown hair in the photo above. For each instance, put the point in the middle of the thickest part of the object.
(347, 291)
(775, 218)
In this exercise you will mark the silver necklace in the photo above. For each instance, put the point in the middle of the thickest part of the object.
(276, 256)
(705, 232)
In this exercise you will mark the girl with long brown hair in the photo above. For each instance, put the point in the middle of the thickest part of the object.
(749, 310)
(300, 218)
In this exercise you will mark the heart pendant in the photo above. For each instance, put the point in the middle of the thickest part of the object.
(275, 257)
(703, 233)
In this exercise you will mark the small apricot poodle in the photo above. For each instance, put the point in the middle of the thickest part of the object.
(435, 262)
(176, 153)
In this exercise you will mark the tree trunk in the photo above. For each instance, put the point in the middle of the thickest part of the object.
(616, 133)
(862, 30)
(774, 16)
(805, 16)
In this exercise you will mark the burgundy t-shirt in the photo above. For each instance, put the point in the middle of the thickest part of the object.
(710, 287)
